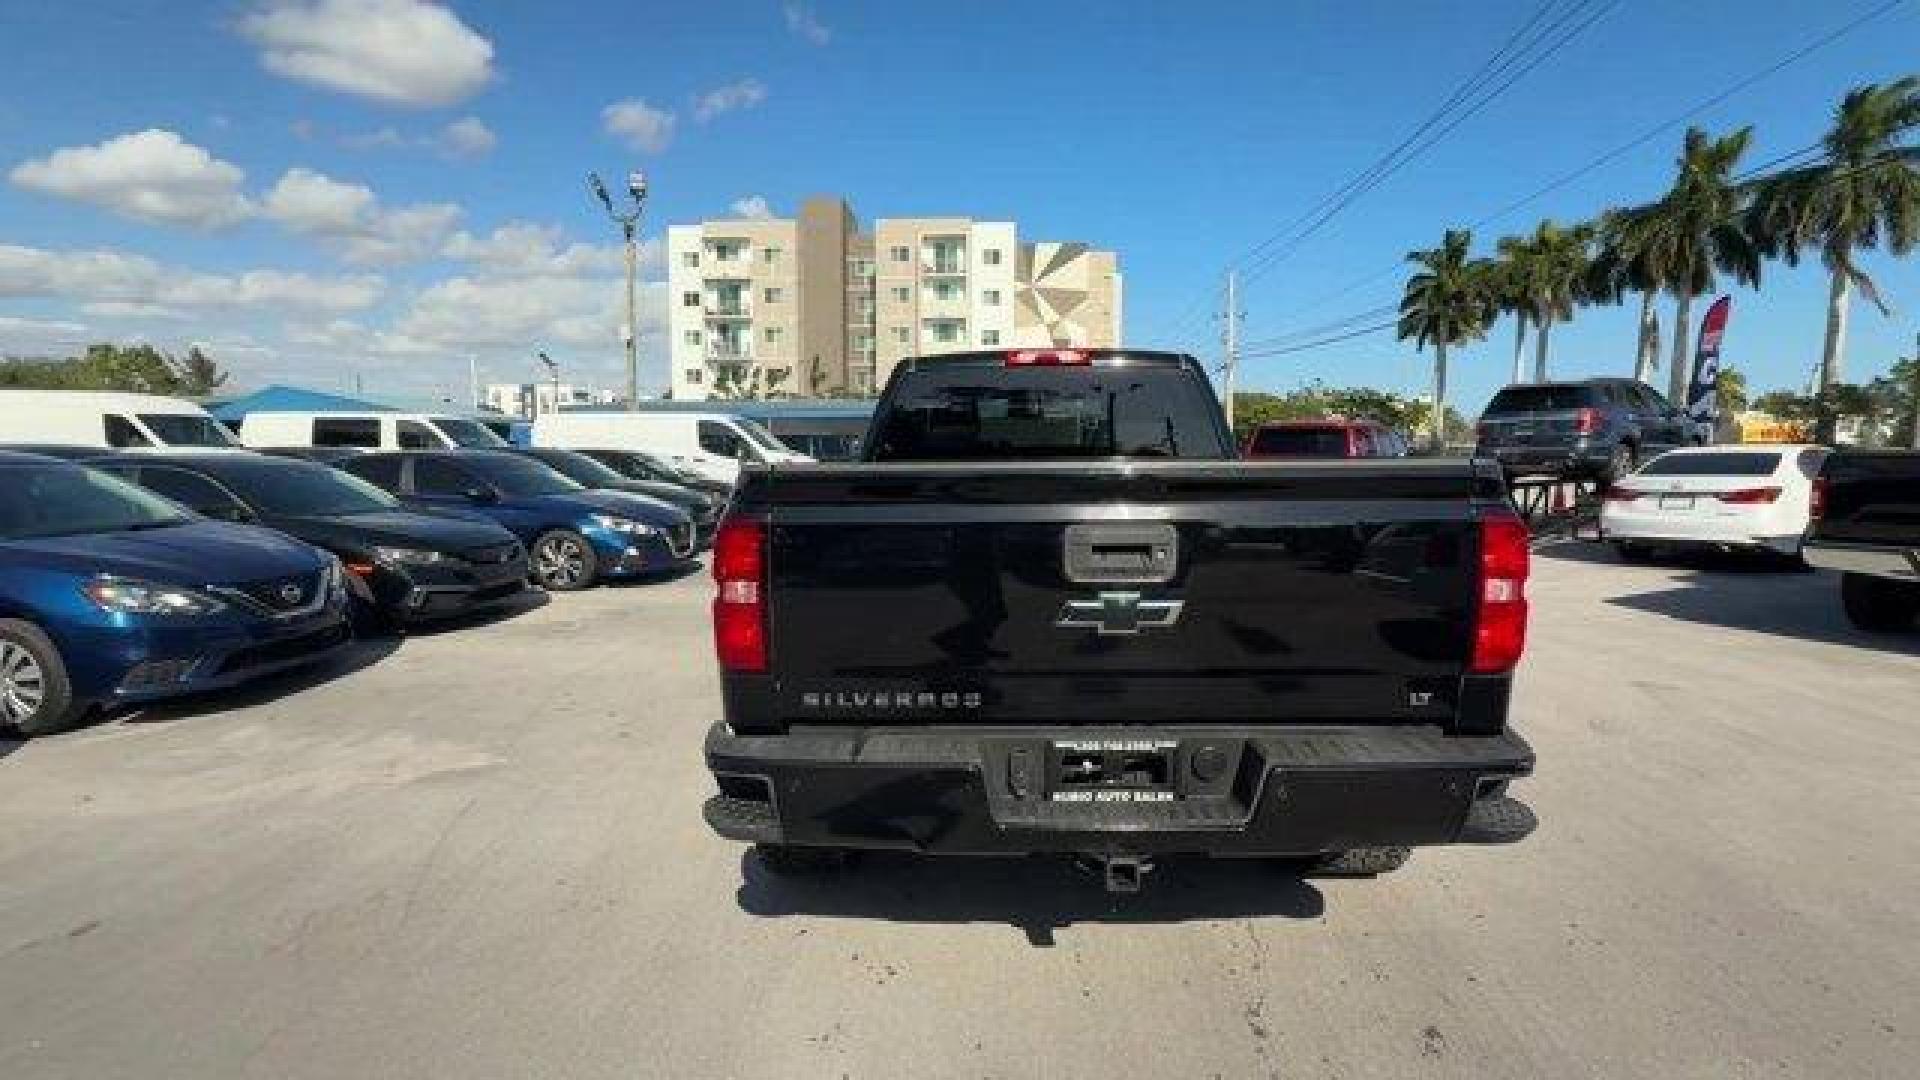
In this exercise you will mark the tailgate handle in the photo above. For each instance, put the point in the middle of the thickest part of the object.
(1121, 551)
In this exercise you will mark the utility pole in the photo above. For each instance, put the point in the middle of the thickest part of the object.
(1230, 345)
(473, 382)
(627, 220)
(1915, 441)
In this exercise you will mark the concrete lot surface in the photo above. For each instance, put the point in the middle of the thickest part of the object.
(479, 854)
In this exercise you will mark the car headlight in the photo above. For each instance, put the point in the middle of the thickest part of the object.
(624, 525)
(400, 556)
(122, 596)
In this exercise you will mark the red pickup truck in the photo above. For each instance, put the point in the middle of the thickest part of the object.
(1324, 439)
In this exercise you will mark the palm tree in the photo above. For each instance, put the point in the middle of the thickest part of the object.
(1619, 267)
(1507, 277)
(1867, 185)
(1549, 267)
(1695, 231)
(1448, 302)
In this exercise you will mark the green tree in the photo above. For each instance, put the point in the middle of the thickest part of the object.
(1696, 232)
(1865, 189)
(1548, 272)
(1448, 302)
(1620, 266)
(1506, 279)
(1899, 389)
(199, 374)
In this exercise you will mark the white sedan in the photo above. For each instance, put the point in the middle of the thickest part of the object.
(1755, 498)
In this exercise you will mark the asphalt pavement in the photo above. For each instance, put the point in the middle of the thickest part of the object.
(479, 853)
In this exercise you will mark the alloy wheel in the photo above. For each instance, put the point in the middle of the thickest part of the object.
(23, 686)
(559, 561)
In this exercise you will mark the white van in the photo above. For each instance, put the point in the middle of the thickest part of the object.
(367, 430)
(710, 444)
(109, 421)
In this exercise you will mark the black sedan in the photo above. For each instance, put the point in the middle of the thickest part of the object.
(704, 509)
(404, 566)
(635, 465)
(325, 455)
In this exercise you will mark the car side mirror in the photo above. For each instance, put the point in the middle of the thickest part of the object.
(480, 495)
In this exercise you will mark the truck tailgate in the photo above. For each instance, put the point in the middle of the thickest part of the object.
(985, 593)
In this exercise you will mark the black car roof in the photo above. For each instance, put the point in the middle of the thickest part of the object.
(218, 465)
(23, 459)
(62, 451)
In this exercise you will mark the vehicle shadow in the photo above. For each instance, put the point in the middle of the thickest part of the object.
(1039, 895)
(671, 574)
(357, 656)
(511, 608)
(10, 743)
(1703, 560)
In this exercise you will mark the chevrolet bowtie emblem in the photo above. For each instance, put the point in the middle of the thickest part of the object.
(1119, 613)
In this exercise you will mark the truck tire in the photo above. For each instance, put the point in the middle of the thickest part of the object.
(787, 861)
(1879, 605)
(1359, 862)
(35, 696)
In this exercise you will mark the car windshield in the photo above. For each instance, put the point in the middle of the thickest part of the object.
(1717, 463)
(186, 429)
(939, 413)
(68, 500)
(579, 468)
(520, 477)
(298, 488)
(470, 434)
(1299, 442)
(1526, 399)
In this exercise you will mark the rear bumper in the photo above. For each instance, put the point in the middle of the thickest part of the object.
(1730, 530)
(1270, 792)
(1555, 461)
(1900, 564)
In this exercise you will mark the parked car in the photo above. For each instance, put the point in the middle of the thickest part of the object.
(574, 537)
(591, 474)
(110, 594)
(712, 444)
(1748, 498)
(325, 455)
(635, 465)
(404, 566)
(1599, 429)
(1324, 439)
(1091, 630)
(63, 451)
(368, 431)
(1866, 511)
(108, 421)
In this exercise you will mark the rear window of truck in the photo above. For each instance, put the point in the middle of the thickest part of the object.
(1299, 442)
(1715, 464)
(953, 412)
(1526, 399)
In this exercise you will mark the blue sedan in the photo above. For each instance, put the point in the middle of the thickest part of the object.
(110, 594)
(574, 537)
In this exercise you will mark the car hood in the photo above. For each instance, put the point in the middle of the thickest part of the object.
(198, 553)
(397, 528)
(637, 507)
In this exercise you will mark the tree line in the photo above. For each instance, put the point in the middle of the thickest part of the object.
(1857, 190)
(138, 369)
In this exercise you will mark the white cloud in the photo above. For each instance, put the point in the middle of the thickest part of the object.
(524, 247)
(523, 313)
(802, 23)
(742, 94)
(467, 137)
(386, 138)
(753, 207)
(350, 219)
(103, 276)
(150, 175)
(407, 52)
(131, 309)
(638, 124)
(38, 337)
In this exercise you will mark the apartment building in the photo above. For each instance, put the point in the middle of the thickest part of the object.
(812, 305)
(529, 400)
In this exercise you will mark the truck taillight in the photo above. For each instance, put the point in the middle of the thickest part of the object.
(1817, 503)
(1500, 622)
(740, 602)
(1048, 358)
(1749, 496)
(1586, 421)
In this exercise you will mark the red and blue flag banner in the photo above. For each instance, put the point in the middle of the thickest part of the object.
(1703, 396)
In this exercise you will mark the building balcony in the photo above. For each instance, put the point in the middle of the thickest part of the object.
(722, 312)
(934, 306)
(943, 268)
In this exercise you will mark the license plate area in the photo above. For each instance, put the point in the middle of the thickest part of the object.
(1113, 770)
(1676, 502)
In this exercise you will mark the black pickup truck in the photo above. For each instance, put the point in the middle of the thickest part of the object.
(1866, 510)
(1050, 612)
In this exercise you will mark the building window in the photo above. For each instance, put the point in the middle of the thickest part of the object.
(990, 297)
(770, 254)
(690, 299)
(990, 256)
(902, 294)
(989, 337)
(945, 333)
(695, 375)
(900, 334)
(772, 296)
(728, 250)
(946, 290)
(692, 337)
(862, 305)
(772, 335)
(902, 254)
(689, 258)
(863, 268)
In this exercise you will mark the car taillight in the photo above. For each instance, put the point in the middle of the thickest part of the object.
(1749, 496)
(1586, 421)
(1048, 358)
(740, 602)
(1616, 493)
(1500, 620)
(1817, 503)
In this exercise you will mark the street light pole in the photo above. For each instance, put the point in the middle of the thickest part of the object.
(628, 222)
(553, 372)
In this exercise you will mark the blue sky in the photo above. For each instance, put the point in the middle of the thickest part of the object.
(325, 189)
